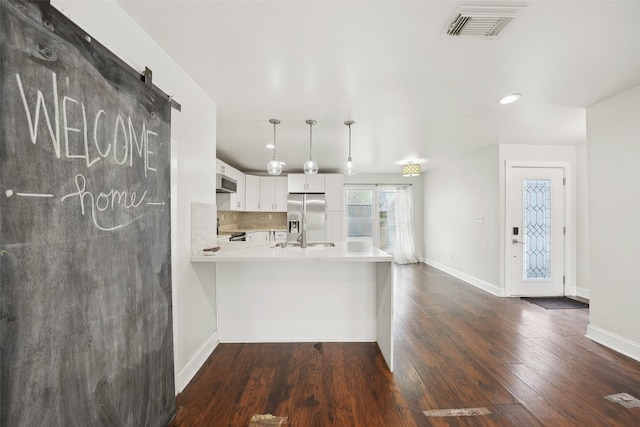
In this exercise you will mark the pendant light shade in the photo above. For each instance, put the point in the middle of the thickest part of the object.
(412, 169)
(274, 167)
(310, 166)
(349, 167)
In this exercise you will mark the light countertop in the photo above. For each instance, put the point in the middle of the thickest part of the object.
(248, 230)
(262, 252)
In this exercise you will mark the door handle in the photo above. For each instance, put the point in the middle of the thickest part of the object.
(514, 241)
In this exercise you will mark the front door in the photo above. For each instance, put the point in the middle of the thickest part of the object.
(536, 230)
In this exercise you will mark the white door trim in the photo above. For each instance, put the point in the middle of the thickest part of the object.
(568, 219)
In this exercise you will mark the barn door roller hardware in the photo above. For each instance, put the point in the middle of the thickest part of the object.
(147, 78)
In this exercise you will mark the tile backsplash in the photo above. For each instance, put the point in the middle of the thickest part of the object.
(233, 220)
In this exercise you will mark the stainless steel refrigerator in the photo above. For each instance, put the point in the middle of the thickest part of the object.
(312, 206)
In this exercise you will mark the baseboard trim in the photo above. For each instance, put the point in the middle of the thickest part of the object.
(196, 362)
(582, 293)
(615, 342)
(478, 283)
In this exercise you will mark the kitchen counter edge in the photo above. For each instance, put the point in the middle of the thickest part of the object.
(248, 252)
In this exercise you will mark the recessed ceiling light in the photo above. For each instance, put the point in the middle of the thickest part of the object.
(270, 146)
(511, 98)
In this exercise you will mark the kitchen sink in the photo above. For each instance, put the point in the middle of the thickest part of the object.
(320, 245)
(309, 245)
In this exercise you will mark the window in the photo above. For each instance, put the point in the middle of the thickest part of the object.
(370, 215)
(360, 214)
(387, 219)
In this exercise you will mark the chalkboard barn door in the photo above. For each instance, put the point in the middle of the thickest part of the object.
(85, 273)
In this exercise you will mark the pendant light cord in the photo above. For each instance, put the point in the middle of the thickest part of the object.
(349, 142)
(310, 140)
(274, 141)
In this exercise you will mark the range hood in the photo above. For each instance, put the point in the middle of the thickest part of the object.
(225, 184)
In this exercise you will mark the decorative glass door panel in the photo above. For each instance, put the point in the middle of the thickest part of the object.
(536, 197)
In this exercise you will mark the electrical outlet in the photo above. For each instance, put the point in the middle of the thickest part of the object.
(270, 216)
(222, 217)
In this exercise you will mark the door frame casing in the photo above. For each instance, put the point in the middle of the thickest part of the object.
(569, 238)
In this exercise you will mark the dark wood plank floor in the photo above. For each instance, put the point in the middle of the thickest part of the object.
(455, 347)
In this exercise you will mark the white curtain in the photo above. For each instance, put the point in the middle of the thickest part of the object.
(405, 251)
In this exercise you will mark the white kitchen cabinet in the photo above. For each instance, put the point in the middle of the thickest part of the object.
(296, 183)
(267, 186)
(333, 226)
(281, 193)
(273, 194)
(252, 193)
(263, 236)
(222, 167)
(334, 197)
(257, 236)
(303, 183)
(334, 191)
(231, 201)
(237, 199)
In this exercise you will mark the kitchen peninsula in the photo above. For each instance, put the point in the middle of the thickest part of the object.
(293, 294)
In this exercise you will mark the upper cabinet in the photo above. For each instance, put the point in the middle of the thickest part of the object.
(252, 193)
(237, 199)
(334, 197)
(273, 193)
(303, 183)
(334, 191)
(269, 193)
(222, 167)
(231, 201)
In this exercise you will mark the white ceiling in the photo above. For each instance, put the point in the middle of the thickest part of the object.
(413, 92)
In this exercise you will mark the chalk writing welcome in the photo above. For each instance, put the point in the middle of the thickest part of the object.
(91, 135)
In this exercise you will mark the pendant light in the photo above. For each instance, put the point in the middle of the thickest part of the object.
(310, 166)
(349, 167)
(274, 167)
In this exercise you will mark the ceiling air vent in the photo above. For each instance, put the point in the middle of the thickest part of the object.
(483, 22)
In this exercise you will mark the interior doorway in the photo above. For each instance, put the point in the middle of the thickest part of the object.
(536, 212)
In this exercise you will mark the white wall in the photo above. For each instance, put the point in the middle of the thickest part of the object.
(193, 171)
(582, 223)
(460, 193)
(462, 218)
(613, 147)
(417, 191)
